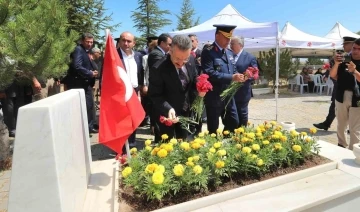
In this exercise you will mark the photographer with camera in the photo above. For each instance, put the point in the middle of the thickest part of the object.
(345, 71)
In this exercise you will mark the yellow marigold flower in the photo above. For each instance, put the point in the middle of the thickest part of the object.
(236, 131)
(162, 153)
(278, 146)
(283, 138)
(244, 139)
(221, 152)
(249, 123)
(279, 127)
(293, 133)
(196, 158)
(212, 150)
(148, 148)
(179, 170)
(303, 133)
(164, 136)
(253, 156)
(219, 131)
(275, 137)
(226, 132)
(241, 130)
(278, 133)
(273, 123)
(190, 159)
(206, 132)
(151, 168)
(213, 135)
(308, 139)
(173, 141)
(259, 134)
(313, 130)
(133, 150)
(158, 178)
(217, 144)
(246, 150)
(265, 142)
(195, 145)
(238, 146)
(260, 162)
(296, 148)
(168, 147)
(268, 126)
(185, 146)
(202, 142)
(201, 134)
(220, 164)
(190, 163)
(126, 172)
(256, 147)
(148, 142)
(250, 135)
(197, 169)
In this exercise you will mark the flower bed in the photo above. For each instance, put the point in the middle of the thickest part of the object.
(174, 169)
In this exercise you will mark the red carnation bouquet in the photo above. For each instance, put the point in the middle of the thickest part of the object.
(251, 72)
(202, 86)
(326, 66)
(184, 122)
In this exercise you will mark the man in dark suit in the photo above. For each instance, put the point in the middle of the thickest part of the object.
(164, 43)
(243, 60)
(132, 61)
(172, 85)
(149, 40)
(216, 61)
(81, 73)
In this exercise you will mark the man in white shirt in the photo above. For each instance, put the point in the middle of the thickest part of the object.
(132, 61)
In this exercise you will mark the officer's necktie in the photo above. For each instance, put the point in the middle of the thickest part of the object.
(183, 78)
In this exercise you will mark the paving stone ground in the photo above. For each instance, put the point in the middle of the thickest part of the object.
(303, 110)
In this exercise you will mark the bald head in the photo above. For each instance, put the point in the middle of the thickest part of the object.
(127, 42)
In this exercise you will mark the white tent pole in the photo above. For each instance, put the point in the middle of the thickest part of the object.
(127, 149)
(277, 74)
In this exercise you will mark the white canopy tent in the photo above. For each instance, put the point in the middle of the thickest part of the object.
(258, 36)
(304, 44)
(339, 31)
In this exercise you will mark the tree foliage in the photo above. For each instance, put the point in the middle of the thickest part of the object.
(287, 66)
(314, 61)
(185, 19)
(149, 19)
(358, 33)
(88, 16)
(33, 39)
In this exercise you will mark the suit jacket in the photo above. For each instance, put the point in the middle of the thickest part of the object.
(220, 69)
(165, 88)
(244, 61)
(198, 65)
(155, 55)
(140, 70)
(80, 70)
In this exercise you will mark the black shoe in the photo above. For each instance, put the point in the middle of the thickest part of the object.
(321, 126)
(341, 145)
(96, 127)
(11, 134)
(204, 120)
(348, 131)
(93, 131)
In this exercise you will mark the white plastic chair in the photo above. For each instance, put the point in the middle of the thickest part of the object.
(318, 84)
(300, 83)
(292, 82)
(330, 86)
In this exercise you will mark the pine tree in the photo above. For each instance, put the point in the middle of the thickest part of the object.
(88, 16)
(33, 40)
(358, 33)
(185, 19)
(314, 61)
(149, 19)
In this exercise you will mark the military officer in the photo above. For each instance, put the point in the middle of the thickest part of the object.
(217, 62)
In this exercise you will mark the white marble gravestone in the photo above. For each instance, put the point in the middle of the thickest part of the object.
(52, 156)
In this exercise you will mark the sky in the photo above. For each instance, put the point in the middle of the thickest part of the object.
(315, 17)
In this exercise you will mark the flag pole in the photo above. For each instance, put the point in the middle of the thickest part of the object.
(127, 149)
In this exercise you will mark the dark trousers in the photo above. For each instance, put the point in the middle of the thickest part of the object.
(243, 112)
(10, 109)
(230, 120)
(89, 106)
(331, 115)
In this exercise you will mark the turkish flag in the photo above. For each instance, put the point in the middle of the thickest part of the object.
(120, 109)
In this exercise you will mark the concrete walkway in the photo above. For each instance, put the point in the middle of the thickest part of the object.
(304, 110)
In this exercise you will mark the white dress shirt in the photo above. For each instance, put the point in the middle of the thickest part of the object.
(131, 68)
